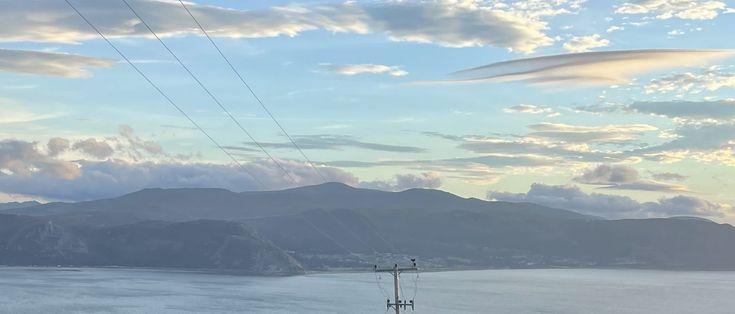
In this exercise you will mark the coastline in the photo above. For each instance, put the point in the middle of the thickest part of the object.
(333, 271)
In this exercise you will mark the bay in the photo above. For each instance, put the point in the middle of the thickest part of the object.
(113, 290)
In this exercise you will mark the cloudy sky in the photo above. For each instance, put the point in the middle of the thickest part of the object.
(613, 108)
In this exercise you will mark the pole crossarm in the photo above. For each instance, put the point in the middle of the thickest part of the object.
(397, 303)
(390, 270)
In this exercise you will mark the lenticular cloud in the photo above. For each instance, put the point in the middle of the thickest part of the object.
(590, 68)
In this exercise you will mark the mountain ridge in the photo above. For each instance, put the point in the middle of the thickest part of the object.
(335, 226)
(287, 201)
(13, 205)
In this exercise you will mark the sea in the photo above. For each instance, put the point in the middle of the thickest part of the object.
(120, 290)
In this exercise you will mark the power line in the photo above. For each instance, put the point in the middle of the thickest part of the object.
(262, 105)
(160, 91)
(206, 90)
(214, 98)
(252, 92)
(396, 271)
(329, 237)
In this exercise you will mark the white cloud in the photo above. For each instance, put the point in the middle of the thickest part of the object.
(614, 28)
(668, 176)
(49, 63)
(27, 168)
(137, 148)
(11, 112)
(539, 151)
(115, 177)
(532, 109)
(682, 9)
(585, 43)
(623, 177)
(573, 147)
(38, 171)
(9, 198)
(688, 110)
(551, 147)
(57, 145)
(92, 147)
(607, 134)
(589, 68)
(336, 142)
(54, 21)
(518, 26)
(699, 137)
(687, 205)
(711, 79)
(556, 144)
(702, 142)
(334, 127)
(608, 175)
(23, 159)
(401, 182)
(613, 206)
(354, 69)
(466, 24)
(19, 87)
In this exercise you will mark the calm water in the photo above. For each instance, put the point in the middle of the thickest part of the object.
(29, 290)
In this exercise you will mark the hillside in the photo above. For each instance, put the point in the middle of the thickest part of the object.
(187, 204)
(12, 205)
(197, 244)
(336, 226)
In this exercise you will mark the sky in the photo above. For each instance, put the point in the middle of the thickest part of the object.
(620, 109)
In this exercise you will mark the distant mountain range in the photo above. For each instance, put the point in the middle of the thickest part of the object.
(334, 226)
(11, 205)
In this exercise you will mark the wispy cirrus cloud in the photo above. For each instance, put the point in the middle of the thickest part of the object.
(589, 68)
(668, 176)
(50, 63)
(477, 169)
(354, 69)
(687, 110)
(550, 146)
(532, 109)
(708, 142)
(337, 142)
(606, 134)
(552, 143)
(614, 28)
(12, 114)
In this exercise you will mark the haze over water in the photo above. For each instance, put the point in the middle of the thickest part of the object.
(40, 290)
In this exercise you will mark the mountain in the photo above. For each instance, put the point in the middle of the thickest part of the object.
(197, 244)
(188, 204)
(336, 226)
(12, 205)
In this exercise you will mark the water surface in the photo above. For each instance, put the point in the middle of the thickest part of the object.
(90, 290)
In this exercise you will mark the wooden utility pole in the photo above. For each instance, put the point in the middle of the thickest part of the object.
(396, 272)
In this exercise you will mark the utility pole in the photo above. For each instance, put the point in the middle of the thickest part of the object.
(396, 272)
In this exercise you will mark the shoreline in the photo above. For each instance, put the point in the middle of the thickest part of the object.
(335, 271)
